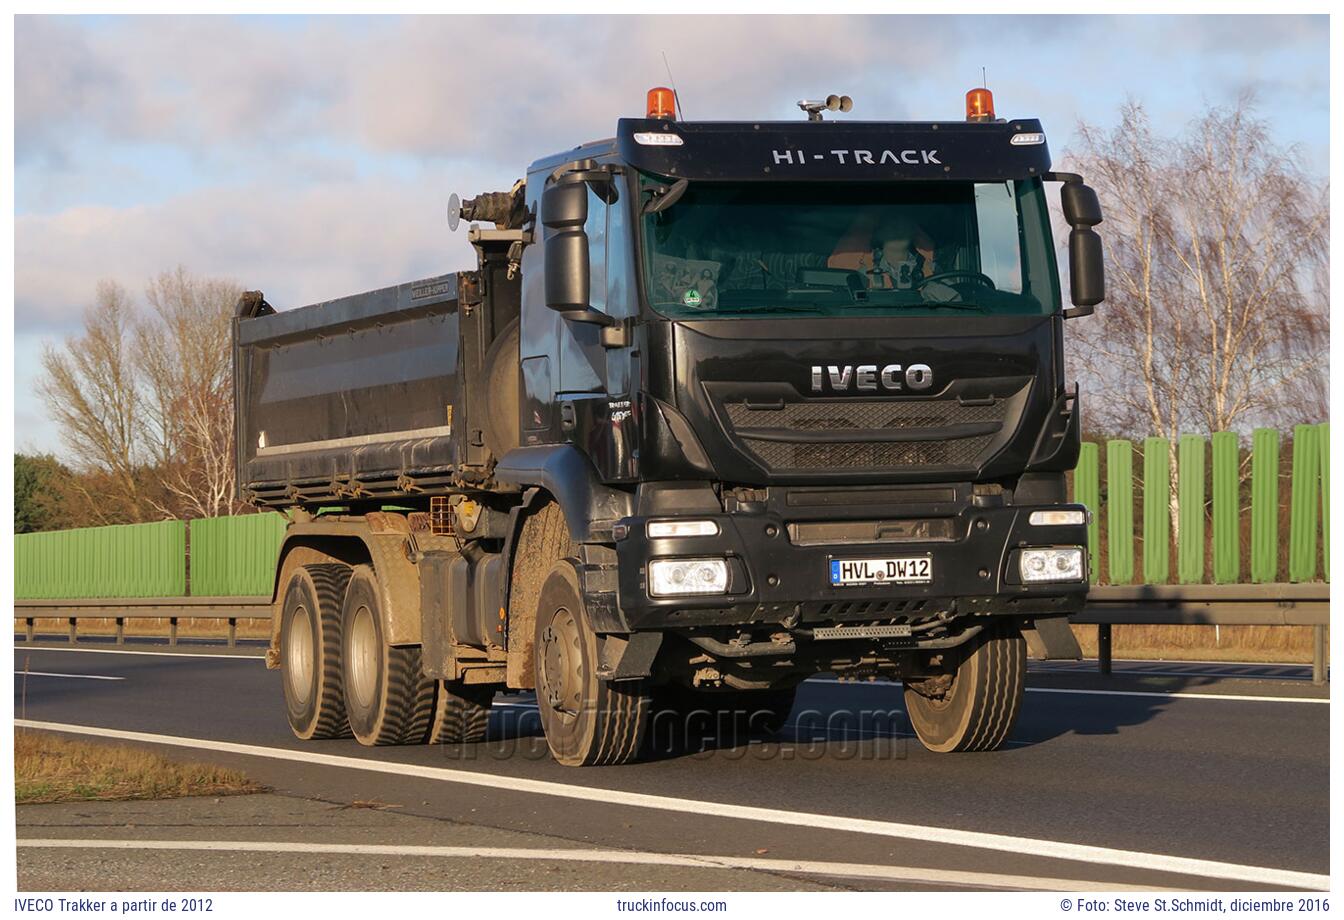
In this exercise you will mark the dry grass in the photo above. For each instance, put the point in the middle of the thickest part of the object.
(48, 768)
(1277, 644)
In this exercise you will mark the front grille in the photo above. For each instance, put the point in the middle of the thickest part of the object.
(856, 434)
(793, 455)
(872, 414)
(870, 609)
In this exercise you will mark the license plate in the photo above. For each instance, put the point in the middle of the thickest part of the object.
(899, 570)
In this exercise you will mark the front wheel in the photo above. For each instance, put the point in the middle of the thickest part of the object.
(587, 721)
(972, 707)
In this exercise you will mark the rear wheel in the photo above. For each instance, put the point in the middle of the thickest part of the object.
(587, 721)
(310, 651)
(461, 712)
(974, 705)
(387, 698)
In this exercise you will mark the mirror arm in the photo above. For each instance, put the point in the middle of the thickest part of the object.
(595, 317)
(1075, 312)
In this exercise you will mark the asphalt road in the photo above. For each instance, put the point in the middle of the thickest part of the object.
(1196, 776)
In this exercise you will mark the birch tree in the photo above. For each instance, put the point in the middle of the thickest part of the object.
(1216, 310)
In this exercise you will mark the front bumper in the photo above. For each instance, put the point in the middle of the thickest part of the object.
(774, 579)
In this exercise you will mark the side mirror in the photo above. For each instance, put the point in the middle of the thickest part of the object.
(1087, 273)
(568, 284)
(564, 210)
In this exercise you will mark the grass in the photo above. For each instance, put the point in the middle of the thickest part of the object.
(48, 768)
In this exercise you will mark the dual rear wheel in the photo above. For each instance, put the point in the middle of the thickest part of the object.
(341, 677)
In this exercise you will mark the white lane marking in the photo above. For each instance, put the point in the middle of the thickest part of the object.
(1173, 694)
(18, 647)
(915, 874)
(54, 674)
(1052, 849)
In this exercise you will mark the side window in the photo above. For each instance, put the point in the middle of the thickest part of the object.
(596, 228)
(620, 261)
(996, 222)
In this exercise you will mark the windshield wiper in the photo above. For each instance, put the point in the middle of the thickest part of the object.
(953, 305)
(771, 308)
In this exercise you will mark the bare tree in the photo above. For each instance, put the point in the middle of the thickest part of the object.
(144, 402)
(184, 362)
(1216, 315)
(90, 388)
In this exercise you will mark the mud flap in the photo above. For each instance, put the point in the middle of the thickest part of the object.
(1051, 639)
(627, 657)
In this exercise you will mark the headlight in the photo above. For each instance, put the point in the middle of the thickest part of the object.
(1070, 516)
(682, 529)
(673, 577)
(1063, 564)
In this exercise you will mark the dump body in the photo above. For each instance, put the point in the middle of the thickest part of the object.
(356, 394)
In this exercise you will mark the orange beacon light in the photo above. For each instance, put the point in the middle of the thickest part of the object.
(979, 105)
(662, 103)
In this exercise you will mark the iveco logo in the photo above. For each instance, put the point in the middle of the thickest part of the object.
(870, 378)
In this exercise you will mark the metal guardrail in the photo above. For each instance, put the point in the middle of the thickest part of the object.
(1208, 605)
(122, 609)
(1107, 606)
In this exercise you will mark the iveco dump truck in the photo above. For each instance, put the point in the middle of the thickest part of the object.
(720, 406)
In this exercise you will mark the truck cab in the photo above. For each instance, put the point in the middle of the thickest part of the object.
(736, 403)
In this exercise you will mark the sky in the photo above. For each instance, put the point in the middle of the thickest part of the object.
(311, 157)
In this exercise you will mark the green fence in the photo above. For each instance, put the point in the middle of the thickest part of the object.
(1227, 524)
(131, 560)
(235, 556)
(229, 556)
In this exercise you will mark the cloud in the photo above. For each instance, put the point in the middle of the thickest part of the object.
(300, 245)
(312, 157)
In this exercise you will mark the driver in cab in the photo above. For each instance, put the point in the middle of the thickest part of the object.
(901, 256)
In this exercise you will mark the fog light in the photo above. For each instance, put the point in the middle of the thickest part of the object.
(1063, 516)
(1059, 564)
(674, 577)
(682, 529)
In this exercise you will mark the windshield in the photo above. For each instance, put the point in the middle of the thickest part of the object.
(831, 249)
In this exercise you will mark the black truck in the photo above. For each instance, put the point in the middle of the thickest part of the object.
(721, 406)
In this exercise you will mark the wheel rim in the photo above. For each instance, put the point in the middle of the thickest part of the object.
(363, 657)
(299, 654)
(561, 665)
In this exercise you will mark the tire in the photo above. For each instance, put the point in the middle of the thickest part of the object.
(587, 721)
(461, 712)
(387, 698)
(978, 710)
(542, 542)
(310, 651)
